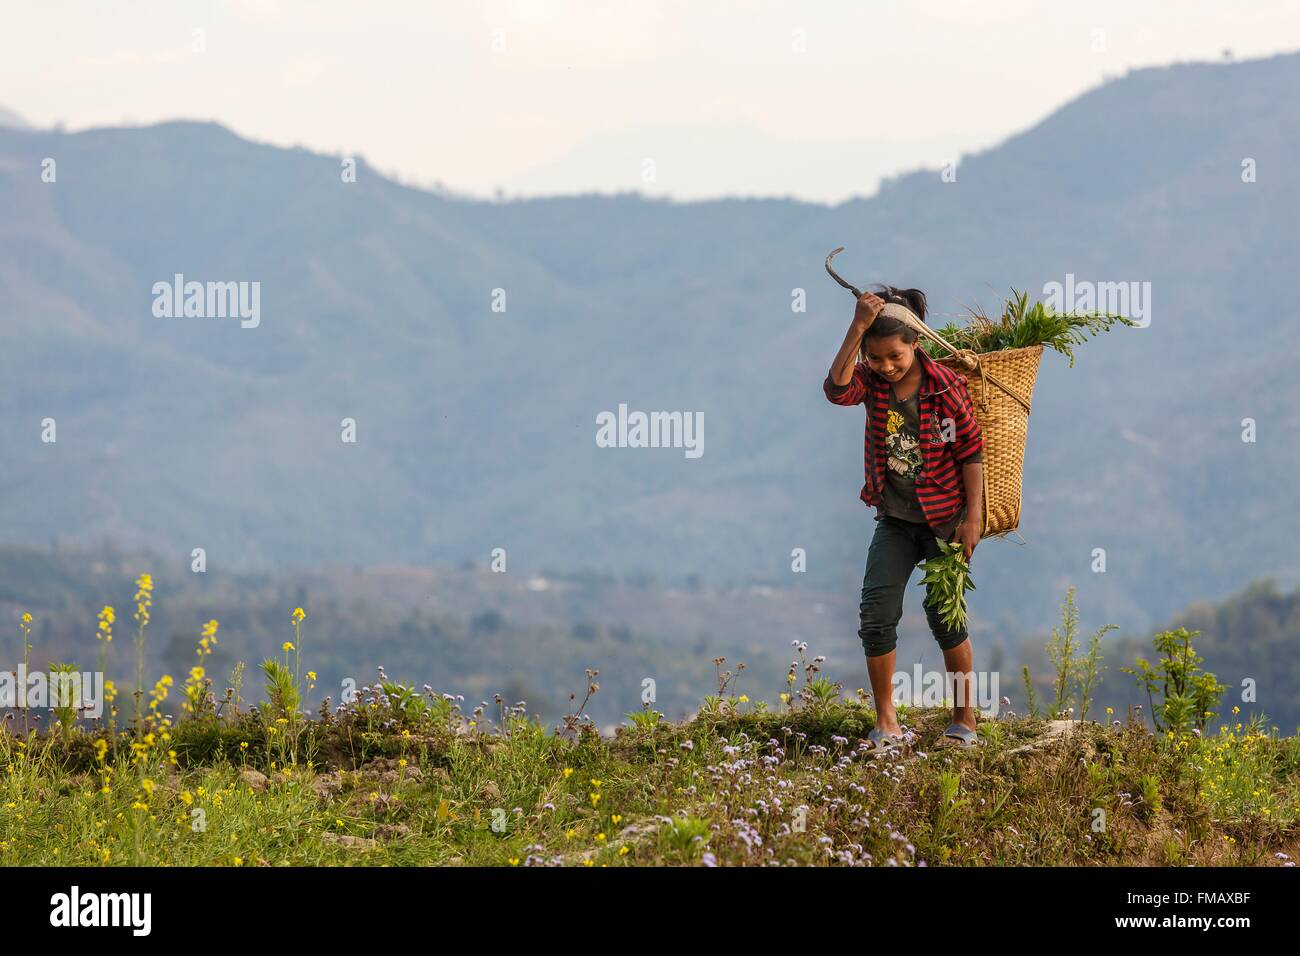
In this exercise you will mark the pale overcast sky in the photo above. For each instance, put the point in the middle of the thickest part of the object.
(810, 98)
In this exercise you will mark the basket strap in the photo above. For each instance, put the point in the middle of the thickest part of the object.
(969, 359)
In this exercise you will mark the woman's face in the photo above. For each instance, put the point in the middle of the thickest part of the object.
(890, 356)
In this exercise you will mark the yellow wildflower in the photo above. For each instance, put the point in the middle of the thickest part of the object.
(106, 618)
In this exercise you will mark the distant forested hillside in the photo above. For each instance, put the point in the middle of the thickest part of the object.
(469, 631)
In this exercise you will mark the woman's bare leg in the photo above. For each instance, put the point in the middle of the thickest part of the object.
(881, 671)
(959, 660)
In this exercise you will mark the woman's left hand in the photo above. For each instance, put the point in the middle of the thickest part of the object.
(968, 533)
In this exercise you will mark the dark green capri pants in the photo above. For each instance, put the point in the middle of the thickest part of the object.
(896, 548)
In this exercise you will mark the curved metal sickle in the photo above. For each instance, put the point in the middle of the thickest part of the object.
(834, 275)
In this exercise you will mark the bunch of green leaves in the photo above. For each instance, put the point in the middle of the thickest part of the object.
(1022, 325)
(949, 573)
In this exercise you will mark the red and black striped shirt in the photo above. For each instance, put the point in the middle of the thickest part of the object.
(950, 435)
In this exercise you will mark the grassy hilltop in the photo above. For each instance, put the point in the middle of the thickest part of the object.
(728, 788)
(405, 776)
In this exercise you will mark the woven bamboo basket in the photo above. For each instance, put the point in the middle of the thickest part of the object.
(1001, 386)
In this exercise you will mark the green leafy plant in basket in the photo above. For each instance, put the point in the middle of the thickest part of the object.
(1024, 324)
(949, 573)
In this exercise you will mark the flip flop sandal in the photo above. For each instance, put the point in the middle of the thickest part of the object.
(879, 741)
(958, 736)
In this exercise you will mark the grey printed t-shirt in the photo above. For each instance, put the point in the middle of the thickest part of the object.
(903, 465)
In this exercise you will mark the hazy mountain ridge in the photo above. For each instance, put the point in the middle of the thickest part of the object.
(477, 428)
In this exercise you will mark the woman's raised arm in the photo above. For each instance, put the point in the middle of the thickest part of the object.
(844, 386)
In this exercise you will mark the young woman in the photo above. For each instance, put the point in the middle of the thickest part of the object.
(922, 458)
